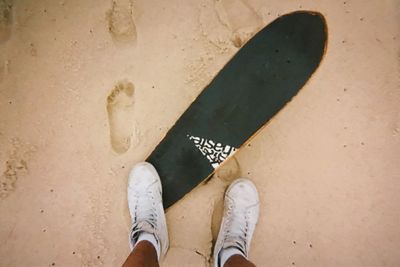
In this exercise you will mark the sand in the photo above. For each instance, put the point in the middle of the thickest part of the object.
(88, 88)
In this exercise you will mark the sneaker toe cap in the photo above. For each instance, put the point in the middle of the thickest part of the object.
(143, 173)
(244, 190)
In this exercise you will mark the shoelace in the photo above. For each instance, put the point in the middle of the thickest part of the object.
(237, 226)
(145, 214)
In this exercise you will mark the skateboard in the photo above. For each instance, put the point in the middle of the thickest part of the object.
(263, 76)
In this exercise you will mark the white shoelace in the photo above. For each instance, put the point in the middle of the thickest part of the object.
(145, 214)
(237, 226)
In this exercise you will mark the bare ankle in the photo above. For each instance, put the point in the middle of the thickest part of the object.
(238, 260)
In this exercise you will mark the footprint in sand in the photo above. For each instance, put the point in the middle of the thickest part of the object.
(15, 166)
(229, 171)
(4, 69)
(120, 114)
(5, 19)
(120, 21)
(240, 18)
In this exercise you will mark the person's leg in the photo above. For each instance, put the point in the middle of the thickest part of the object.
(148, 236)
(238, 261)
(241, 208)
(143, 255)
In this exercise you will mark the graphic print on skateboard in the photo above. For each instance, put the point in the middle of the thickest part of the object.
(253, 86)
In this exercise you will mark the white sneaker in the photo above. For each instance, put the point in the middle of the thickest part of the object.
(241, 210)
(146, 207)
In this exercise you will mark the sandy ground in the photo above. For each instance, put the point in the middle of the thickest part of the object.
(88, 88)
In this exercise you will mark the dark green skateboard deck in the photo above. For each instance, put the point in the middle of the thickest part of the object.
(252, 87)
